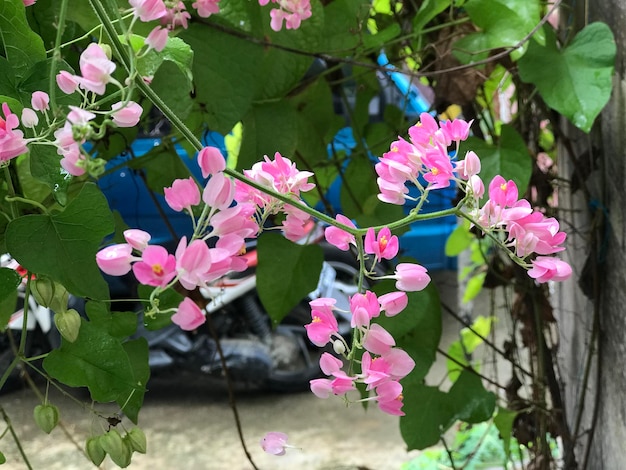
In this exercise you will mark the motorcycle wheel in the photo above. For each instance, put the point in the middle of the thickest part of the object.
(296, 359)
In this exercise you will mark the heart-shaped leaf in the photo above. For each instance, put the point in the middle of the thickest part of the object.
(63, 245)
(575, 81)
(287, 272)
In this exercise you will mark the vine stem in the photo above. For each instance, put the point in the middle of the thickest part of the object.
(18, 443)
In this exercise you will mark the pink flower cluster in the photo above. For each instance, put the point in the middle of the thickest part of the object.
(530, 233)
(425, 154)
(282, 176)
(291, 12)
(382, 365)
(194, 264)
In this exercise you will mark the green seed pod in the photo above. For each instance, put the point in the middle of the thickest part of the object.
(137, 440)
(123, 460)
(68, 324)
(46, 416)
(94, 450)
(112, 443)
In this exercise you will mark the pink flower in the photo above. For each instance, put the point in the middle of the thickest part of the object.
(67, 82)
(176, 15)
(148, 10)
(183, 194)
(440, 167)
(73, 160)
(385, 246)
(323, 326)
(295, 226)
(389, 398)
(235, 220)
(548, 268)
(126, 115)
(219, 191)
(340, 238)
(455, 130)
(12, 143)
(293, 12)
(475, 183)
(393, 303)
(157, 39)
(502, 192)
(138, 239)
(364, 307)
(323, 388)
(536, 233)
(411, 277)
(423, 132)
(330, 364)
(115, 260)
(40, 101)
(188, 316)
(156, 268)
(274, 443)
(206, 8)
(378, 340)
(95, 68)
(211, 161)
(192, 263)
(28, 3)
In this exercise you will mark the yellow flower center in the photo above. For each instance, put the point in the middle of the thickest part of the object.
(157, 269)
(503, 186)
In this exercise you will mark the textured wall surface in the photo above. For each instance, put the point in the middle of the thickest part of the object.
(605, 179)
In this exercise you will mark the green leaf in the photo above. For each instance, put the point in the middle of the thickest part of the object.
(9, 282)
(470, 339)
(503, 23)
(170, 84)
(474, 286)
(460, 239)
(111, 370)
(176, 53)
(20, 45)
(344, 24)
(117, 324)
(286, 274)
(472, 403)
(224, 83)
(504, 420)
(45, 167)
(63, 245)
(260, 136)
(428, 10)
(509, 158)
(575, 81)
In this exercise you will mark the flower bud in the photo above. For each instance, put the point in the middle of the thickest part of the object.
(137, 440)
(339, 347)
(29, 118)
(107, 50)
(94, 450)
(40, 101)
(46, 416)
(68, 324)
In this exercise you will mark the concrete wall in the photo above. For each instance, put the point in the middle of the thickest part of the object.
(605, 180)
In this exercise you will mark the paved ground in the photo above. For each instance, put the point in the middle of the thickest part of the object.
(189, 425)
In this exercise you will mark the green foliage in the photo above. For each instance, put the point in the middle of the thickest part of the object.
(112, 370)
(495, 31)
(430, 411)
(70, 240)
(20, 45)
(286, 273)
(461, 350)
(584, 69)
